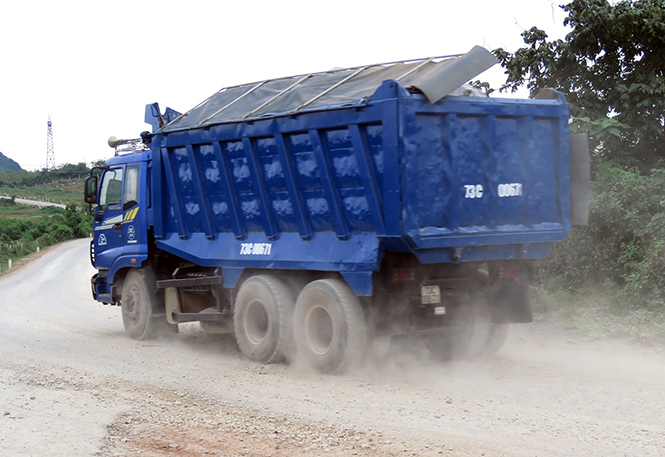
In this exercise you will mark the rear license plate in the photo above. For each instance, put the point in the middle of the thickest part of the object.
(430, 295)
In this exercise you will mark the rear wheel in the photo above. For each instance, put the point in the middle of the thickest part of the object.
(329, 326)
(484, 337)
(473, 335)
(498, 335)
(441, 346)
(262, 319)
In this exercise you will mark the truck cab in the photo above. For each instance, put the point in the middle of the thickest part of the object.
(120, 205)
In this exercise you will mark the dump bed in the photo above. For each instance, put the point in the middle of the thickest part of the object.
(332, 186)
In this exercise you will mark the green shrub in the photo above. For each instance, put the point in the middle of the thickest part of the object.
(20, 237)
(624, 242)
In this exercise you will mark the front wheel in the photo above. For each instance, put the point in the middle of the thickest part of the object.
(137, 302)
(329, 326)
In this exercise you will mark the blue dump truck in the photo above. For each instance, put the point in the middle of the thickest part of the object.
(310, 214)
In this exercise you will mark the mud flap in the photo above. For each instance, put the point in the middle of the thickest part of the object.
(580, 179)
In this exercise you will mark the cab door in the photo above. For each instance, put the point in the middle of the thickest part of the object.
(132, 221)
(119, 222)
(109, 236)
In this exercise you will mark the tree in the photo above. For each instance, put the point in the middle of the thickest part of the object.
(611, 68)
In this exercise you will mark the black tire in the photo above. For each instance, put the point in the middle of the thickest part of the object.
(497, 333)
(473, 335)
(498, 336)
(262, 319)
(138, 300)
(478, 335)
(441, 347)
(329, 326)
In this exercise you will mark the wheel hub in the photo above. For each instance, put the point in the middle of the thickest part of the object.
(318, 330)
(256, 323)
(134, 298)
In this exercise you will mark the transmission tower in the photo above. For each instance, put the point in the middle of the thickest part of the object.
(50, 154)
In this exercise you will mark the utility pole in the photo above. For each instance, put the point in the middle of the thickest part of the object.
(50, 153)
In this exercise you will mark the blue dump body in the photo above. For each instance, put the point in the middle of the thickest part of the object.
(463, 179)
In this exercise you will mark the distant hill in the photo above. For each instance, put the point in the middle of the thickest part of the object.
(8, 164)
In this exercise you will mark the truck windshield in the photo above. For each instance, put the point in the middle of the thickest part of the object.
(111, 192)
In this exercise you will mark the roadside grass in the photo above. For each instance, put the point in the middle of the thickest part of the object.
(26, 229)
(599, 312)
(15, 211)
(66, 191)
(17, 251)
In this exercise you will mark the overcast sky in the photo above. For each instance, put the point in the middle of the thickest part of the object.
(93, 66)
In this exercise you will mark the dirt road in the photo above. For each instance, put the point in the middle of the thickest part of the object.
(72, 384)
(41, 204)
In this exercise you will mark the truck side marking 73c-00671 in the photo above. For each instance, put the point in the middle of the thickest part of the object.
(307, 214)
(255, 248)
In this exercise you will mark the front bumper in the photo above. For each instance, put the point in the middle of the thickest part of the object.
(101, 290)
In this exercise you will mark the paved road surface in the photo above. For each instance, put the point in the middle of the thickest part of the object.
(22, 201)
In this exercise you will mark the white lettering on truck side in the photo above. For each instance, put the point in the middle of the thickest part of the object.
(473, 191)
(510, 190)
(503, 190)
(255, 248)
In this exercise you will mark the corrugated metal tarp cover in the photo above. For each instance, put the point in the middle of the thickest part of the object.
(335, 88)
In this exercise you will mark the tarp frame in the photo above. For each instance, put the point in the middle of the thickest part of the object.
(435, 77)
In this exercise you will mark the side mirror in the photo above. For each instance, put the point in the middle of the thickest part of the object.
(90, 190)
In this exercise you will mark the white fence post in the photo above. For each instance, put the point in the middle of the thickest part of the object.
(9, 264)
